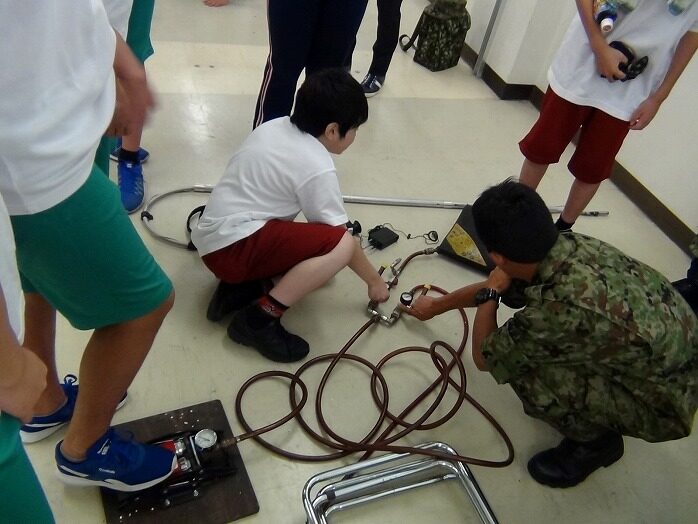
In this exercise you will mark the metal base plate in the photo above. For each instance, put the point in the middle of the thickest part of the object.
(224, 500)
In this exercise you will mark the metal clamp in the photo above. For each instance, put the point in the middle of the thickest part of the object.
(343, 488)
(372, 307)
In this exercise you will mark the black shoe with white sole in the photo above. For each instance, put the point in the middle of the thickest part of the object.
(371, 84)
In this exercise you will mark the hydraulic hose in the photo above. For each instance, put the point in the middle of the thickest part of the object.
(375, 439)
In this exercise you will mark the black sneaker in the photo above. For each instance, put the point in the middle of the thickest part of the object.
(571, 462)
(371, 84)
(272, 340)
(231, 297)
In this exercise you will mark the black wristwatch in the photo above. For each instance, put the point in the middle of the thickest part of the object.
(486, 294)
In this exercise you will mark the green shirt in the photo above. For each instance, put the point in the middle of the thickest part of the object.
(602, 333)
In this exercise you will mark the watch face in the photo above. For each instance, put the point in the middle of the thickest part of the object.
(484, 294)
(206, 438)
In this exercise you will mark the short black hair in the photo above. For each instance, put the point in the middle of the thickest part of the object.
(330, 95)
(512, 220)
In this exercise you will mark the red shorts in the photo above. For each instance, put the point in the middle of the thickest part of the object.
(273, 250)
(599, 141)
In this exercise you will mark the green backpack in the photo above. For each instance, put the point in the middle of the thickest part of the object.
(439, 36)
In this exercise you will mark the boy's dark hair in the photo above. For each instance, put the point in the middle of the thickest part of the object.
(512, 220)
(328, 96)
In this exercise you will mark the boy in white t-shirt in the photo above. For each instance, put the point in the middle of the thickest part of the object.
(247, 234)
(589, 89)
(77, 251)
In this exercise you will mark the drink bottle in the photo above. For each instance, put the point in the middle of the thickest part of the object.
(605, 14)
(676, 7)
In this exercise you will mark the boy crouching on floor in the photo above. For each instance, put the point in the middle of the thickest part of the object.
(247, 235)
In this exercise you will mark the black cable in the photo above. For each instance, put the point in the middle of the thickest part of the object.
(430, 237)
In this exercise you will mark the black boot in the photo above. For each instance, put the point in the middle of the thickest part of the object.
(571, 462)
(231, 297)
(271, 340)
(688, 289)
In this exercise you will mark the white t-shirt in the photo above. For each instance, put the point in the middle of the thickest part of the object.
(118, 12)
(650, 30)
(278, 172)
(9, 278)
(56, 98)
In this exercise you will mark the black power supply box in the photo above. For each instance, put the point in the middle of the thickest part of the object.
(381, 237)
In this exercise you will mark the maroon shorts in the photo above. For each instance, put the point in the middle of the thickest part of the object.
(273, 250)
(599, 141)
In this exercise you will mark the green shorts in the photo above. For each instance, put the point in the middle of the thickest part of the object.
(139, 22)
(22, 500)
(86, 259)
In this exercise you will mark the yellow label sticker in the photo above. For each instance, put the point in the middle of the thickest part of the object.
(463, 245)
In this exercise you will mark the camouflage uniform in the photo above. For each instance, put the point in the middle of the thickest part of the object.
(694, 246)
(604, 342)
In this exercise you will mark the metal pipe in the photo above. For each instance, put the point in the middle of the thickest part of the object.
(439, 204)
(404, 202)
(147, 217)
(480, 62)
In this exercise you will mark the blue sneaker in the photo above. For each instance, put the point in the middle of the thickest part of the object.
(131, 185)
(118, 463)
(41, 427)
(143, 154)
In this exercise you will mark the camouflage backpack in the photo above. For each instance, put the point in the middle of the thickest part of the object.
(439, 36)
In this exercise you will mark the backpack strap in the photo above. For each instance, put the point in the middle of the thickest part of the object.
(411, 41)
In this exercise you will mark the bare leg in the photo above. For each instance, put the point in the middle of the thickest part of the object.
(109, 364)
(132, 141)
(40, 337)
(313, 273)
(532, 173)
(580, 195)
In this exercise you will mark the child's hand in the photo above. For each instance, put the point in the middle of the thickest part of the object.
(644, 113)
(378, 291)
(20, 393)
(608, 62)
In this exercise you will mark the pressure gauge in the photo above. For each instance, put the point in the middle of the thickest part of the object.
(406, 298)
(206, 438)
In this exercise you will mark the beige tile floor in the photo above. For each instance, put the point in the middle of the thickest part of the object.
(442, 136)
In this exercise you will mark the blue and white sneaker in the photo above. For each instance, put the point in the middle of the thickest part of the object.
(130, 177)
(41, 427)
(118, 463)
(143, 154)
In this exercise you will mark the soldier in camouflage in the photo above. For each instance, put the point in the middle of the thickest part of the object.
(604, 347)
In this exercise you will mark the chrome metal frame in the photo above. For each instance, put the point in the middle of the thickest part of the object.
(349, 486)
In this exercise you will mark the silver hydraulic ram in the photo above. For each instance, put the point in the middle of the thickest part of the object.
(147, 215)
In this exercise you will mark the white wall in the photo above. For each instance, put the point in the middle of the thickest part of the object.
(663, 157)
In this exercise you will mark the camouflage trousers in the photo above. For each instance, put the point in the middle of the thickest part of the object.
(584, 408)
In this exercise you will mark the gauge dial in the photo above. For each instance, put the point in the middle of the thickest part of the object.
(206, 438)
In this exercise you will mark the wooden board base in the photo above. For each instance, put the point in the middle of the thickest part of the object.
(224, 500)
